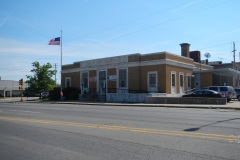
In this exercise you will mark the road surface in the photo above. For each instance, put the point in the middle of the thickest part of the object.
(39, 131)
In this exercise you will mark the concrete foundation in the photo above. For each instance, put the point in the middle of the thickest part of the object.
(185, 100)
(126, 97)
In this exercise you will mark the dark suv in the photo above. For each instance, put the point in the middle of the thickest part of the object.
(237, 90)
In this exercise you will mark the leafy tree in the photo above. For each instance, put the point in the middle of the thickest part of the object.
(41, 81)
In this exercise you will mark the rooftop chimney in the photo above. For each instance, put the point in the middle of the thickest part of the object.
(185, 49)
(196, 56)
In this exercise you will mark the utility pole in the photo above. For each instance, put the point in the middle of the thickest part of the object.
(21, 88)
(55, 66)
(234, 50)
(234, 66)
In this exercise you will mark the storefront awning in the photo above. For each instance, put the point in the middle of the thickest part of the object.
(221, 72)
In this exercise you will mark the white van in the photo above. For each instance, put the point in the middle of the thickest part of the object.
(225, 91)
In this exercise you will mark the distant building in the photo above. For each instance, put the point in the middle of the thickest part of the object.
(9, 88)
(233, 80)
(130, 78)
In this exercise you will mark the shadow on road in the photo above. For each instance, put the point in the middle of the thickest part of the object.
(198, 128)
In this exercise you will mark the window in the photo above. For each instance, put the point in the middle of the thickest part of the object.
(181, 80)
(152, 80)
(223, 89)
(68, 82)
(188, 81)
(198, 93)
(102, 82)
(122, 78)
(214, 88)
(173, 79)
(85, 80)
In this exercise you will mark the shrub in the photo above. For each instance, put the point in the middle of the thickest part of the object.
(55, 94)
(71, 93)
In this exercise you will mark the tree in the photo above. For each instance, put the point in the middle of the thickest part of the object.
(41, 81)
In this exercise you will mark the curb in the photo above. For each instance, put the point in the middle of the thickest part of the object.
(152, 105)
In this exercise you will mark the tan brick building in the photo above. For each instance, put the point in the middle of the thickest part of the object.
(131, 77)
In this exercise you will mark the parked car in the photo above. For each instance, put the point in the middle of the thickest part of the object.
(45, 94)
(237, 90)
(226, 91)
(204, 93)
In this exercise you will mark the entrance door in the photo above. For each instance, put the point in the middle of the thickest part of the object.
(102, 76)
(173, 82)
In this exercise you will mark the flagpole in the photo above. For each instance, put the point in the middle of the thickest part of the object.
(61, 67)
(61, 58)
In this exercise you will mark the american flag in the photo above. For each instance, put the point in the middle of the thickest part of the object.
(54, 41)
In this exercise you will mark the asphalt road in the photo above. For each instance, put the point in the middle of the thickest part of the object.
(89, 132)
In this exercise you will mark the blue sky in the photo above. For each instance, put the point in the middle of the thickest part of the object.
(102, 28)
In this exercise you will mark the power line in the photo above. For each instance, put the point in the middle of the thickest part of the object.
(217, 45)
(156, 25)
(174, 19)
(137, 19)
(15, 69)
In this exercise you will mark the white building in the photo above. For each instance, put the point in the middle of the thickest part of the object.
(9, 88)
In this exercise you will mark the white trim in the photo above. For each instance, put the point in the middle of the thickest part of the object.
(131, 64)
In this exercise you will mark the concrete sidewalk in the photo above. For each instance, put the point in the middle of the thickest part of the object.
(234, 104)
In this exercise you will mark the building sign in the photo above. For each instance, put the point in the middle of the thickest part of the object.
(112, 78)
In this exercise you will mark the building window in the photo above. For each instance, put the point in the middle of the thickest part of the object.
(152, 80)
(181, 80)
(85, 80)
(68, 82)
(122, 75)
(181, 83)
(173, 80)
(102, 82)
(189, 81)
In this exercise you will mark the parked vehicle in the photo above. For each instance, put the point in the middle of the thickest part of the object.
(204, 93)
(237, 90)
(45, 94)
(226, 91)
